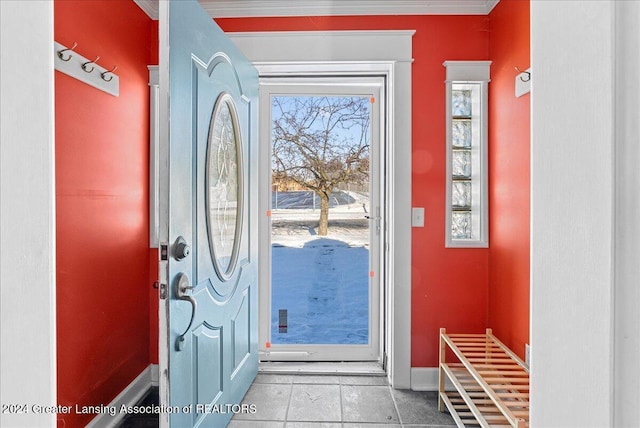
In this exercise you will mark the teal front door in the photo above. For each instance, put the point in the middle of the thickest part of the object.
(209, 354)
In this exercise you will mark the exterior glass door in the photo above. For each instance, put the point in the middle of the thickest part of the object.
(325, 225)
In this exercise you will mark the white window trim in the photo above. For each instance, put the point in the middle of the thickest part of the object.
(386, 53)
(472, 72)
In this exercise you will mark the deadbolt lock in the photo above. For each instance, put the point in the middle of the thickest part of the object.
(181, 249)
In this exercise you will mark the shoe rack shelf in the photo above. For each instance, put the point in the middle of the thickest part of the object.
(491, 384)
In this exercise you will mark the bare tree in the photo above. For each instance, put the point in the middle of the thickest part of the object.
(321, 142)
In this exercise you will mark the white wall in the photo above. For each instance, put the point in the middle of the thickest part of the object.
(585, 187)
(627, 209)
(572, 213)
(27, 224)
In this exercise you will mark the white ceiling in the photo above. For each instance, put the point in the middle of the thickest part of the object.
(246, 8)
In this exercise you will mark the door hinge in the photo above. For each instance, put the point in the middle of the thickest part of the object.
(162, 289)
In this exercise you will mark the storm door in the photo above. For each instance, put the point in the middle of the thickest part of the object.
(323, 297)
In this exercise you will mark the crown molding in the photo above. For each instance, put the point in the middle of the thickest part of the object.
(257, 8)
(150, 7)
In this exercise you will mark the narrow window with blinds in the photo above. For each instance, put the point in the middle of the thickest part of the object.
(466, 124)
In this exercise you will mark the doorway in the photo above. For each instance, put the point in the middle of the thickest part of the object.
(322, 299)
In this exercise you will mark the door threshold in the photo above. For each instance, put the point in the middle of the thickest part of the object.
(358, 368)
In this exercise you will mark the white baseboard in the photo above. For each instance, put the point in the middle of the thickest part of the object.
(128, 397)
(426, 379)
(155, 375)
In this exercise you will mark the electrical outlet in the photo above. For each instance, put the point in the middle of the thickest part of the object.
(527, 355)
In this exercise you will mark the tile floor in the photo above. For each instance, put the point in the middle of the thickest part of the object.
(298, 401)
(327, 401)
(143, 420)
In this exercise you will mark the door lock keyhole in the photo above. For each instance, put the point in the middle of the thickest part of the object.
(181, 249)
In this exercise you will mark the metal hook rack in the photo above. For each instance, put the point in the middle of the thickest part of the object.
(523, 81)
(68, 61)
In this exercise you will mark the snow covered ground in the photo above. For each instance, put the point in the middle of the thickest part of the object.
(321, 282)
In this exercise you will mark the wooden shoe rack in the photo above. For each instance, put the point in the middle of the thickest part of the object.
(491, 384)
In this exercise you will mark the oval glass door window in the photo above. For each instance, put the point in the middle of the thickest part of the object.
(224, 186)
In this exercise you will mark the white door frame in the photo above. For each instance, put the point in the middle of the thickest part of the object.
(584, 266)
(27, 213)
(381, 53)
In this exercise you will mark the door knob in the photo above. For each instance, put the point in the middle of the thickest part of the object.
(181, 249)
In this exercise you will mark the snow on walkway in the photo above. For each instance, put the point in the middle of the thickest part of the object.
(322, 282)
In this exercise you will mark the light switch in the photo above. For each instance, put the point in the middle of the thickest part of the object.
(417, 217)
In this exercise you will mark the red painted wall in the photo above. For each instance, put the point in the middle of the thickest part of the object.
(102, 211)
(449, 286)
(509, 171)
(154, 303)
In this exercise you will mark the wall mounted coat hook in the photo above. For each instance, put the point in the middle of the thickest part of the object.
(86, 67)
(71, 63)
(62, 51)
(104, 74)
(522, 81)
(528, 73)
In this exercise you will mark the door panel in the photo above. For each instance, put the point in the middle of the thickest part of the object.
(210, 333)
